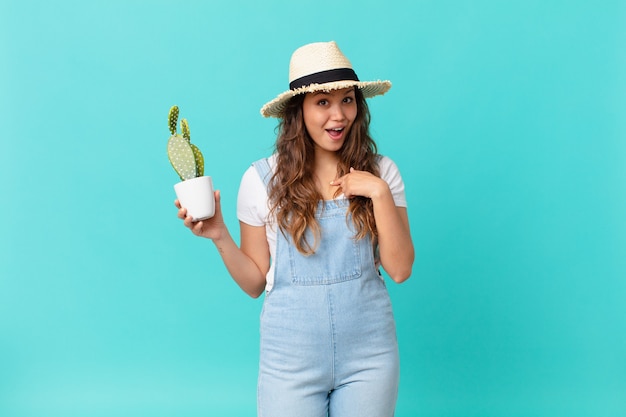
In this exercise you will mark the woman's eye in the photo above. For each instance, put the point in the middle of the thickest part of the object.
(322, 102)
(348, 99)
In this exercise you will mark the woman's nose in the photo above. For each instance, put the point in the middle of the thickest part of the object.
(337, 112)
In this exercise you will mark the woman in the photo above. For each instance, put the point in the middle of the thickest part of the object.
(317, 220)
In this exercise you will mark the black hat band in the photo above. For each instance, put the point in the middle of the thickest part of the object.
(322, 77)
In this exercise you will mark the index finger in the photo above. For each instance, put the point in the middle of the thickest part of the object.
(339, 180)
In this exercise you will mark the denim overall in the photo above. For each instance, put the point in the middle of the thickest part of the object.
(328, 337)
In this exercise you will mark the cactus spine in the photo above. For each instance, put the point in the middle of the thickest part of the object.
(184, 156)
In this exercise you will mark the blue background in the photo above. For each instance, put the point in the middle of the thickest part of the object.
(507, 120)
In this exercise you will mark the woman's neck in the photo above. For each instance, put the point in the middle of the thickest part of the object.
(326, 171)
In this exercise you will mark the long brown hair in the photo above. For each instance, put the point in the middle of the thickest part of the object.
(293, 194)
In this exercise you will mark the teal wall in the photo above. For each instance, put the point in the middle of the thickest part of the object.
(507, 120)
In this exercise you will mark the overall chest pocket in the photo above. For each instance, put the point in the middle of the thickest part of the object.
(337, 257)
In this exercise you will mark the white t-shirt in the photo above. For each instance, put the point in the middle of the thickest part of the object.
(253, 205)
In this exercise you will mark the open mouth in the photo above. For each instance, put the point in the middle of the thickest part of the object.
(335, 133)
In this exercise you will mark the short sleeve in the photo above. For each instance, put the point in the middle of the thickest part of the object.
(391, 174)
(252, 199)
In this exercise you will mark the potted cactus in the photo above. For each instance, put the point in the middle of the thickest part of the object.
(195, 190)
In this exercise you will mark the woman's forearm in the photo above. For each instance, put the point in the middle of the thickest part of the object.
(241, 267)
(394, 237)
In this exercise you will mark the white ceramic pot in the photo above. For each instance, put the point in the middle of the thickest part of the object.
(196, 195)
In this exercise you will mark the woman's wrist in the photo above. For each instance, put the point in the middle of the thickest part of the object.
(381, 191)
(222, 235)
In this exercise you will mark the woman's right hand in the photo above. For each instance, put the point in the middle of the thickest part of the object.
(213, 228)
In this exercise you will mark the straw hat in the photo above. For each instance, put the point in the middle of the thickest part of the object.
(321, 66)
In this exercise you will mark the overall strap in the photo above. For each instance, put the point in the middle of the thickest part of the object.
(263, 168)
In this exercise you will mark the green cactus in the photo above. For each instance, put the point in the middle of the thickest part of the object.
(184, 126)
(172, 118)
(199, 160)
(184, 156)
